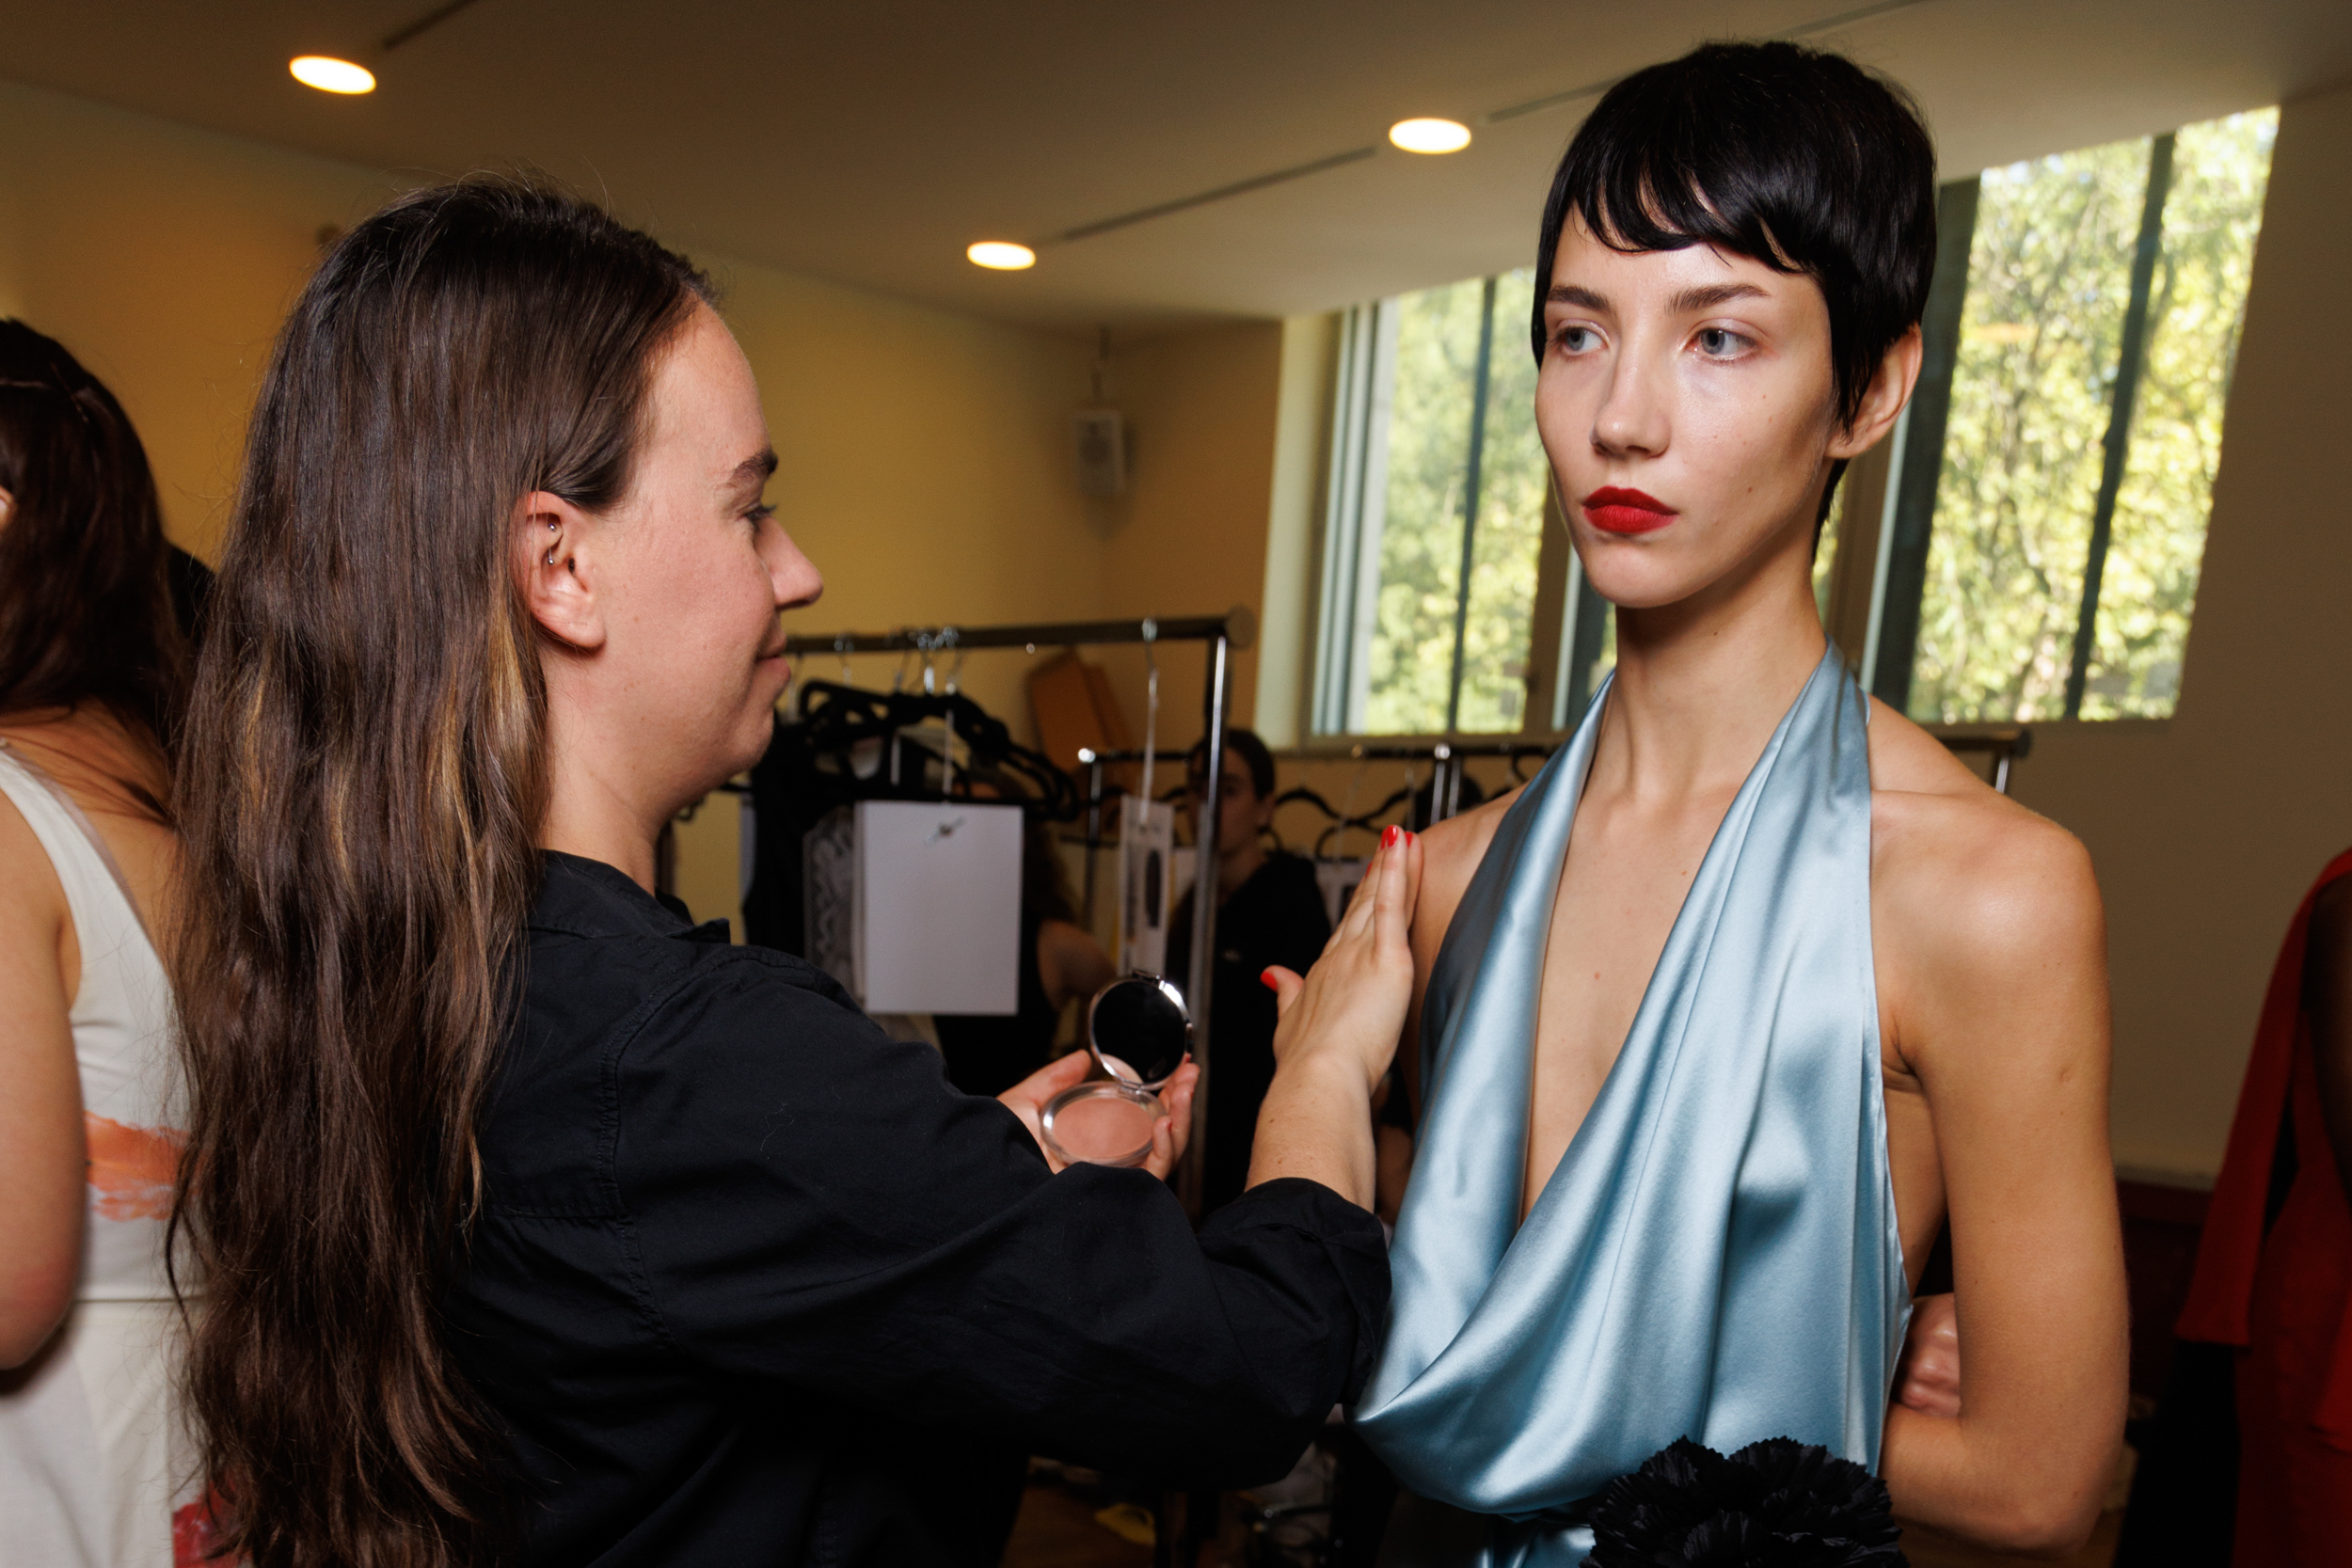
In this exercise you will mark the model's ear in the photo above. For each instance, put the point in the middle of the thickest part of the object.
(1883, 404)
(558, 563)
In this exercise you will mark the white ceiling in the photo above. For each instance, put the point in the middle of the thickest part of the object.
(870, 142)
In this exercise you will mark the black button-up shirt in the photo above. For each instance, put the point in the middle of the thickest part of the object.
(752, 1284)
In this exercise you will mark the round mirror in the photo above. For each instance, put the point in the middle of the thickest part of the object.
(1139, 1030)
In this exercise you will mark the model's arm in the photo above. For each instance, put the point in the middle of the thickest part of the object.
(2001, 1009)
(2327, 1001)
(41, 1148)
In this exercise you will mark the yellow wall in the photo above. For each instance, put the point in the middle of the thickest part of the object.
(925, 455)
(164, 257)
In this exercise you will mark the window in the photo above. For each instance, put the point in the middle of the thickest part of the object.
(2055, 469)
(1434, 519)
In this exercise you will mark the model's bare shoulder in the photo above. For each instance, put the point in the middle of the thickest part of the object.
(1451, 851)
(1977, 901)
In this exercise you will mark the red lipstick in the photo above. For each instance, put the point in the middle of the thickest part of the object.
(1614, 510)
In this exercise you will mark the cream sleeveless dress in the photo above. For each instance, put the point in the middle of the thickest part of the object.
(93, 1459)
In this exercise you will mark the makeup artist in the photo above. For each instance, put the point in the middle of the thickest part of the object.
(541, 1225)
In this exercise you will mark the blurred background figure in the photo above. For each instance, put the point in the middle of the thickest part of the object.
(1270, 911)
(92, 668)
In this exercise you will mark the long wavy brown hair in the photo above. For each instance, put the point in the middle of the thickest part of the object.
(84, 611)
(361, 792)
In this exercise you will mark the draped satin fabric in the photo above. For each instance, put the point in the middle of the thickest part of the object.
(1716, 1254)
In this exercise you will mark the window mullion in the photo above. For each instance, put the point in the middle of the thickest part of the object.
(1469, 501)
(1912, 516)
(2130, 354)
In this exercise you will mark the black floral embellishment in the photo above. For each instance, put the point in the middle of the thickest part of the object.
(1775, 1504)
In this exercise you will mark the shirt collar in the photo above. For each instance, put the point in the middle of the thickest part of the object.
(583, 897)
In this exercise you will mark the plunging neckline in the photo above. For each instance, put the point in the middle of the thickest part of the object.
(1527, 1210)
(1715, 1253)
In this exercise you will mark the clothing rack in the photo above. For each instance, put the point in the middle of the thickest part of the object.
(1223, 636)
(2003, 743)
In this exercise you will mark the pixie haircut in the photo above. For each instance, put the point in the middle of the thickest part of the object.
(1795, 158)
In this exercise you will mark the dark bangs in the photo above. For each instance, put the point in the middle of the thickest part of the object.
(1795, 158)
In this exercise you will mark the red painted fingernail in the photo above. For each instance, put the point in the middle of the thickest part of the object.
(1390, 835)
(1266, 978)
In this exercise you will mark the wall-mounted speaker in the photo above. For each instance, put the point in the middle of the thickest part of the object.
(1098, 450)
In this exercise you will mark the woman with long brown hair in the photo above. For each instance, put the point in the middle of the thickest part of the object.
(91, 681)
(541, 1222)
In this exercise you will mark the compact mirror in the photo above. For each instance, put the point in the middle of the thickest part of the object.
(1139, 1030)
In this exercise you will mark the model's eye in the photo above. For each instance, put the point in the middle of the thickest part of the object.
(1720, 342)
(758, 514)
(1576, 339)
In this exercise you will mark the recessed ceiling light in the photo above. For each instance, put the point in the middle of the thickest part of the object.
(329, 74)
(1430, 136)
(1001, 255)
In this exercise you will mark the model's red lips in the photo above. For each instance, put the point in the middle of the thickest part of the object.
(1614, 510)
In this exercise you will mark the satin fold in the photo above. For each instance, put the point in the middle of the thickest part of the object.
(1716, 1254)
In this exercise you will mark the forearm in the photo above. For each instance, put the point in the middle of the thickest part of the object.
(1316, 1123)
(1970, 1478)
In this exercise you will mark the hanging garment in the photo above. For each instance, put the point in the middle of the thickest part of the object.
(91, 1452)
(2285, 1296)
(1716, 1254)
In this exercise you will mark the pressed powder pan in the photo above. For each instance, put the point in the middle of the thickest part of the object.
(1137, 1032)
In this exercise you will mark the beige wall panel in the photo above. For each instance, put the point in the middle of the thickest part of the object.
(2206, 828)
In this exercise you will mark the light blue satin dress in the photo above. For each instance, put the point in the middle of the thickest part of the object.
(1716, 1254)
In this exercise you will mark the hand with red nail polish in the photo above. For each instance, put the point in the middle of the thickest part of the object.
(1339, 1027)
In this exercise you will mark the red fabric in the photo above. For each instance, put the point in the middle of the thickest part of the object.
(2288, 1299)
(2294, 1467)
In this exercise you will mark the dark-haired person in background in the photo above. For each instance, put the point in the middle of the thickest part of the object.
(91, 684)
(1754, 985)
(1269, 913)
(543, 1226)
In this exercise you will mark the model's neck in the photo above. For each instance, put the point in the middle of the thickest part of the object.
(1700, 687)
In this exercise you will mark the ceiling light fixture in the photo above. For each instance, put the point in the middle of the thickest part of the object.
(329, 74)
(1430, 136)
(1001, 255)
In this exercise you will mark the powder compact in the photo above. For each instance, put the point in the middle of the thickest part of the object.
(1137, 1032)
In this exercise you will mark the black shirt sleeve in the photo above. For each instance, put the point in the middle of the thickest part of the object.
(810, 1205)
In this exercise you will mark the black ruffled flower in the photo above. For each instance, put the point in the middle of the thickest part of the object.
(1775, 1504)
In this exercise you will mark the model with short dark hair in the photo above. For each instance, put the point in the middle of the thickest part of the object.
(1722, 1016)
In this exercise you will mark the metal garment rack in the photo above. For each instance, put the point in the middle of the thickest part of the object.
(2004, 743)
(1448, 757)
(1224, 636)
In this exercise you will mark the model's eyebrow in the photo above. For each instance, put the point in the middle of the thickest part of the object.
(1570, 294)
(1712, 295)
